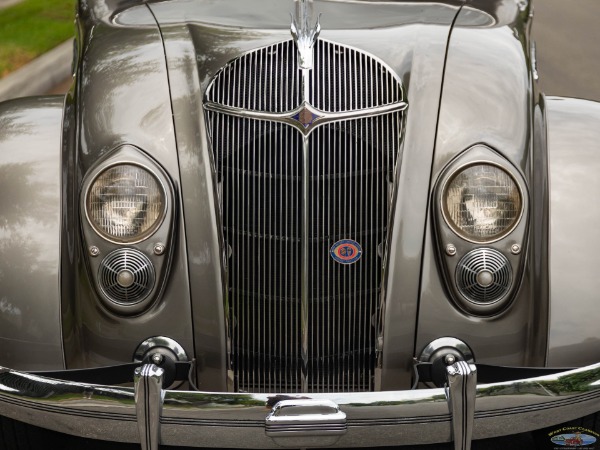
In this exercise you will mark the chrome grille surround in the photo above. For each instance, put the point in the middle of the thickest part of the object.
(298, 168)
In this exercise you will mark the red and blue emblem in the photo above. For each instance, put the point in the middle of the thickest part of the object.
(306, 117)
(346, 251)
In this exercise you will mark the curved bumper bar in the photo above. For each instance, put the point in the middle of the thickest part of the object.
(236, 420)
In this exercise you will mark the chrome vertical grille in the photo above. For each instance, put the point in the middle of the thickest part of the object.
(345, 79)
(264, 80)
(350, 171)
(316, 332)
(258, 165)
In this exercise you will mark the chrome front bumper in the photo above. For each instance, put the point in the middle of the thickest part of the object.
(149, 415)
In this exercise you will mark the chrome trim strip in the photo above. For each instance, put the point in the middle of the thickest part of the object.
(148, 380)
(288, 116)
(462, 388)
(305, 245)
(304, 317)
(534, 65)
(238, 420)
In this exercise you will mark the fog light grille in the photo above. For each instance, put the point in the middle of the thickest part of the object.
(126, 276)
(484, 276)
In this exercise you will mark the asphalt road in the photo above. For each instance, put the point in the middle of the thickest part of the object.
(567, 33)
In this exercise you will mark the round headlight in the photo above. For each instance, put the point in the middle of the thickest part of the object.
(482, 203)
(125, 203)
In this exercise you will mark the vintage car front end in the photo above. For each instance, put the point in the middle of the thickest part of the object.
(359, 227)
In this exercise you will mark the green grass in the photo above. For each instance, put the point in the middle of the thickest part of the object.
(31, 28)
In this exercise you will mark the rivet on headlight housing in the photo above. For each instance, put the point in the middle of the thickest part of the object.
(159, 249)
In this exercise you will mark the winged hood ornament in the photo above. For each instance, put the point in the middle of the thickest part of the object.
(304, 33)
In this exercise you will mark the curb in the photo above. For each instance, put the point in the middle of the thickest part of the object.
(6, 3)
(40, 75)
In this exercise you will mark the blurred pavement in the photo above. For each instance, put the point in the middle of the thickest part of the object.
(41, 75)
(7, 3)
(567, 33)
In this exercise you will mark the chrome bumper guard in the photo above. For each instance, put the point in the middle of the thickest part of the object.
(150, 415)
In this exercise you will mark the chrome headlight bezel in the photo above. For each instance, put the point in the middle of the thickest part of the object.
(455, 173)
(146, 233)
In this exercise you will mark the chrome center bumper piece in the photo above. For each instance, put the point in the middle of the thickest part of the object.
(150, 415)
(305, 423)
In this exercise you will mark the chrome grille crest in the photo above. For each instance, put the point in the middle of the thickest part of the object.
(303, 159)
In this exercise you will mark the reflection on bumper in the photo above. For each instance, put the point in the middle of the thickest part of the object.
(234, 420)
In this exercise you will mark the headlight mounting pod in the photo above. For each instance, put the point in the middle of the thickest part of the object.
(480, 212)
(127, 216)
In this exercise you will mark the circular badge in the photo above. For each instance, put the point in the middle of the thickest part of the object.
(346, 251)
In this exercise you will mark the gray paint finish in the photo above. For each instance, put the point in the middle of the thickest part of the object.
(30, 205)
(405, 251)
(574, 165)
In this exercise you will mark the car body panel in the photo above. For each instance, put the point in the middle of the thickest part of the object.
(487, 99)
(120, 66)
(574, 162)
(30, 207)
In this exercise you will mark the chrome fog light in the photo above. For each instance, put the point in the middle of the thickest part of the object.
(126, 277)
(125, 203)
(482, 203)
(483, 276)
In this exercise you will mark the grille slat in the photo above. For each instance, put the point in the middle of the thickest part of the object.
(265, 79)
(351, 79)
(286, 197)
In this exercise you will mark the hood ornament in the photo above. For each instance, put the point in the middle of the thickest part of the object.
(303, 33)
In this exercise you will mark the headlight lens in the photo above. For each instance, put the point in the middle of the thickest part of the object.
(482, 203)
(125, 203)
